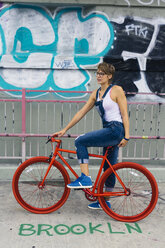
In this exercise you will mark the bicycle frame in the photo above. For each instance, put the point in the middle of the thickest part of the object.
(56, 153)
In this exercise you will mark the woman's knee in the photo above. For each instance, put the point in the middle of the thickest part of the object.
(78, 141)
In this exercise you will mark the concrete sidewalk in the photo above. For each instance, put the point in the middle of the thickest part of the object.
(76, 226)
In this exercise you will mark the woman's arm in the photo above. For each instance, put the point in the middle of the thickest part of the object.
(79, 115)
(122, 102)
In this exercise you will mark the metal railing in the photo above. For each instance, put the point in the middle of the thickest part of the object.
(25, 121)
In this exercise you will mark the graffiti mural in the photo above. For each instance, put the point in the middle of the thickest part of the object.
(56, 50)
(140, 65)
(145, 2)
(51, 44)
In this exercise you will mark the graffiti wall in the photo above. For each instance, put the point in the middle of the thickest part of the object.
(60, 48)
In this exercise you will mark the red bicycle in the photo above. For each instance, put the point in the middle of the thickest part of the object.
(40, 186)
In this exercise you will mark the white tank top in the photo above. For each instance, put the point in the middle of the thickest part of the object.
(111, 108)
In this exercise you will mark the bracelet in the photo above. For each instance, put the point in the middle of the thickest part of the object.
(126, 139)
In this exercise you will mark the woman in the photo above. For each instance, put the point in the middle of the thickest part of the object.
(111, 104)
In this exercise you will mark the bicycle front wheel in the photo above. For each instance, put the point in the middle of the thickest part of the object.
(27, 188)
(142, 193)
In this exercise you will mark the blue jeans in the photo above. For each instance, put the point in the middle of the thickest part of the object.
(111, 135)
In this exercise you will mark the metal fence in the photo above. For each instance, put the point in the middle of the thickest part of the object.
(25, 124)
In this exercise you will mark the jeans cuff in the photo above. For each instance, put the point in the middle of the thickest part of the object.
(108, 189)
(83, 161)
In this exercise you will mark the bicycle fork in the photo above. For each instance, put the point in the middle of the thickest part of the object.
(41, 185)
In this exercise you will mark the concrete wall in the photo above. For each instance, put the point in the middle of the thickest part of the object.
(51, 45)
(128, 3)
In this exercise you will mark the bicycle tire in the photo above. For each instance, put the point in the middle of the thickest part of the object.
(142, 197)
(26, 182)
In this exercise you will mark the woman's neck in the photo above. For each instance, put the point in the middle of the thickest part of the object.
(104, 87)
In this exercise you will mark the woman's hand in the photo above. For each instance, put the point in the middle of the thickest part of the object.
(60, 133)
(123, 143)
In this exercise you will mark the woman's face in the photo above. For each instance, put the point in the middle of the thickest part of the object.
(102, 77)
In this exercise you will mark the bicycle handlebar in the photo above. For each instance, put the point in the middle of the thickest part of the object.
(51, 139)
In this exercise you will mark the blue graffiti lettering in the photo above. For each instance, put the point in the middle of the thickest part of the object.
(33, 47)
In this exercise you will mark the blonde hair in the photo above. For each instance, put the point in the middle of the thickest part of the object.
(107, 68)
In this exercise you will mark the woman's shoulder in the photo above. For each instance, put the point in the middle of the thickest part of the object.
(117, 89)
(93, 95)
(94, 92)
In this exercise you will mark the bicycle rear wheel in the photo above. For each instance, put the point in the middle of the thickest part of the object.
(27, 188)
(142, 192)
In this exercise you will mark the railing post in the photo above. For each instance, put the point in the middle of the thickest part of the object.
(23, 124)
(120, 156)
